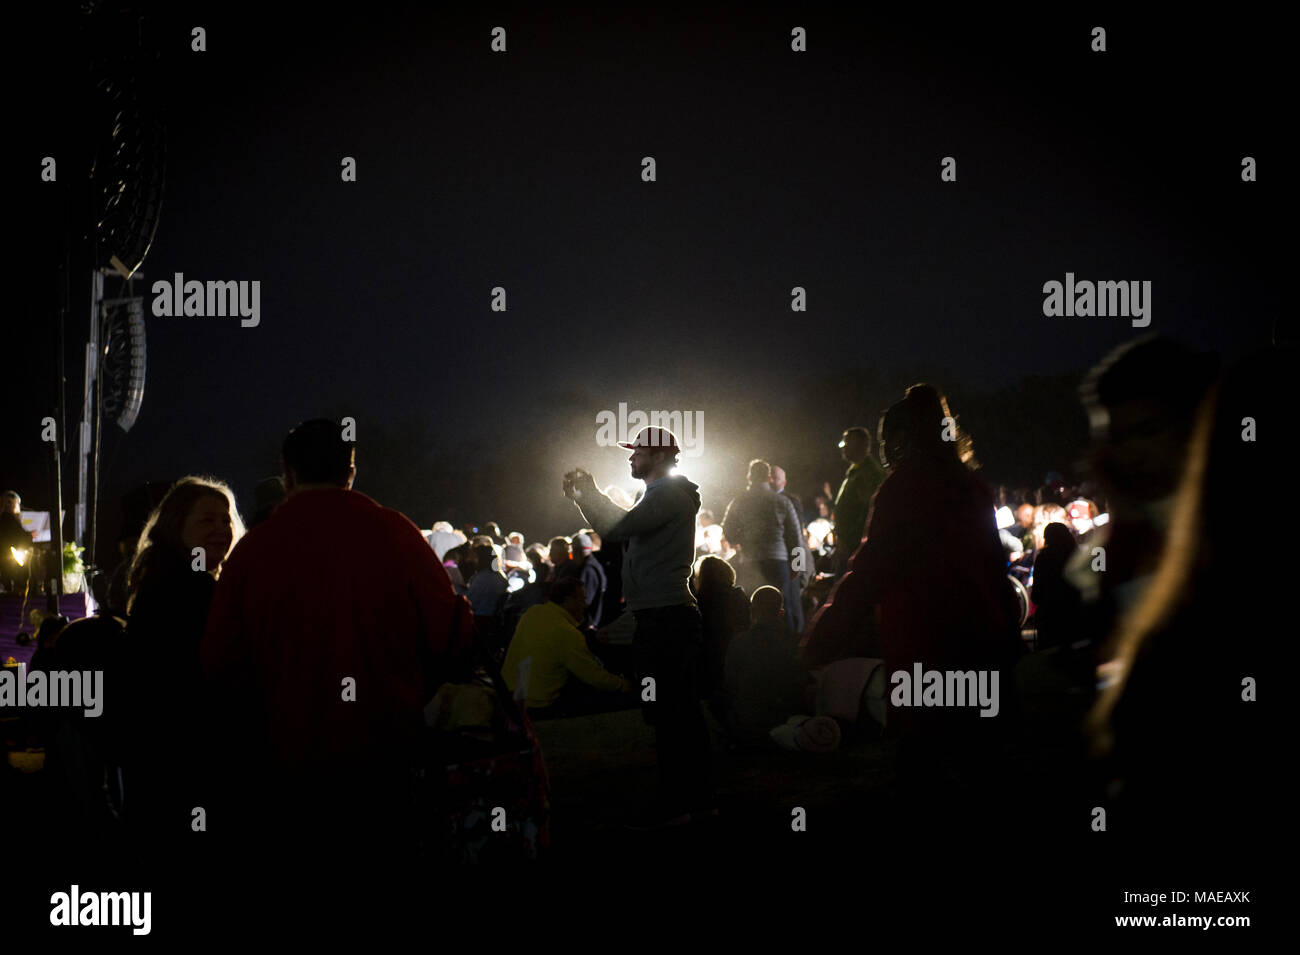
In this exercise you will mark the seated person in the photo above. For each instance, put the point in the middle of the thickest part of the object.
(763, 681)
(548, 637)
(533, 592)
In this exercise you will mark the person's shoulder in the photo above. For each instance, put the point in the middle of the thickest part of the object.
(395, 523)
(679, 484)
(256, 537)
(394, 518)
(549, 617)
(897, 491)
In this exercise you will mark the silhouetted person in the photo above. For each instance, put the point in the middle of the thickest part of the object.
(1193, 768)
(13, 535)
(1056, 600)
(724, 610)
(660, 531)
(559, 555)
(932, 567)
(853, 502)
(332, 627)
(763, 526)
(587, 569)
(170, 586)
(763, 682)
(793, 592)
(487, 595)
(1141, 402)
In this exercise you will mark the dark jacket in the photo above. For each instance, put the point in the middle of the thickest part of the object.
(763, 680)
(853, 503)
(660, 531)
(611, 561)
(724, 614)
(167, 704)
(762, 523)
(592, 576)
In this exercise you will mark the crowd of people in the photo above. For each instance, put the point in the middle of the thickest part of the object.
(317, 636)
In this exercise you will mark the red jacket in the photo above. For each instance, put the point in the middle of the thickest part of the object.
(932, 567)
(331, 587)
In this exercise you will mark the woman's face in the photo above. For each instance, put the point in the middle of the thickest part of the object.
(208, 525)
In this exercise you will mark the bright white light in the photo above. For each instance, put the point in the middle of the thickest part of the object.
(515, 583)
(1101, 519)
(19, 554)
(1005, 517)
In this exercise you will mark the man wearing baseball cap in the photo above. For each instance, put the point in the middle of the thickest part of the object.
(659, 532)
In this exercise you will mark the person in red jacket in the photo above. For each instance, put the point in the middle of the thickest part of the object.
(930, 569)
(332, 625)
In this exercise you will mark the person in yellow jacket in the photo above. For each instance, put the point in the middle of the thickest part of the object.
(548, 638)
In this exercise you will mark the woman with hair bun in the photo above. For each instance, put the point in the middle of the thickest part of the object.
(932, 571)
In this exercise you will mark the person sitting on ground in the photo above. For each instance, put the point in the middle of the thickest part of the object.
(1024, 528)
(487, 594)
(535, 554)
(763, 680)
(451, 562)
(530, 594)
(563, 674)
(724, 608)
(443, 539)
(588, 570)
(559, 556)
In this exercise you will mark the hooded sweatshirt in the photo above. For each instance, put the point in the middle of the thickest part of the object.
(660, 536)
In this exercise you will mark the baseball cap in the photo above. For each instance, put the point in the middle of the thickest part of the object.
(653, 438)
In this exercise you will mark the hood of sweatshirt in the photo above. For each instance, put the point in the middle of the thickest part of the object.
(687, 487)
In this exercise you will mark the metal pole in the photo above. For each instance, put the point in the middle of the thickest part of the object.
(55, 588)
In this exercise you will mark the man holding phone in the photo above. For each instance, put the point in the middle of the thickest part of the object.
(659, 532)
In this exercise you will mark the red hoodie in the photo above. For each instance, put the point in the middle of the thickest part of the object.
(933, 567)
(332, 586)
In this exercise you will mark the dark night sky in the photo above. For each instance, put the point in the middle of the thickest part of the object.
(775, 169)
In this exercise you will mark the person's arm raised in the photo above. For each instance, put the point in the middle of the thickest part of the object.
(652, 512)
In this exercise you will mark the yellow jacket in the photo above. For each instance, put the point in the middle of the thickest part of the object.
(548, 635)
